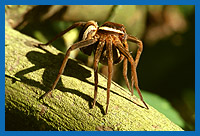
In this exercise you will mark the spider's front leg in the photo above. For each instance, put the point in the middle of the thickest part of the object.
(134, 79)
(139, 52)
(80, 44)
(109, 54)
(125, 67)
(96, 62)
(128, 57)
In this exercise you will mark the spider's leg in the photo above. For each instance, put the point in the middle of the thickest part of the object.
(140, 47)
(125, 64)
(133, 68)
(118, 44)
(73, 47)
(96, 62)
(63, 32)
(109, 53)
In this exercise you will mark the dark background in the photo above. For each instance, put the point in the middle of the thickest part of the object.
(166, 70)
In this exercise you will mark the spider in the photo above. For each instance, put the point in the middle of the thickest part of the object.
(109, 44)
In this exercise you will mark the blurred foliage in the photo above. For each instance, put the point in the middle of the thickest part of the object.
(167, 66)
(163, 106)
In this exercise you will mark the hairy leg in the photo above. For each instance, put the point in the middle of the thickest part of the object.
(134, 79)
(140, 47)
(109, 52)
(63, 32)
(125, 66)
(74, 46)
(96, 62)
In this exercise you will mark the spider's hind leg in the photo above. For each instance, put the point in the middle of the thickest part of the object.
(63, 32)
(140, 47)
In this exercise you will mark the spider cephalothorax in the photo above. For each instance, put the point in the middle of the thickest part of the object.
(109, 44)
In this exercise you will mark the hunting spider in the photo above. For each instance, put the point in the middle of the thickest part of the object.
(109, 44)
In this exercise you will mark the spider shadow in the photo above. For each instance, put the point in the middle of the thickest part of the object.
(127, 99)
(73, 69)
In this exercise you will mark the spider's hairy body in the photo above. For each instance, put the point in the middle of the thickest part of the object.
(106, 30)
(109, 45)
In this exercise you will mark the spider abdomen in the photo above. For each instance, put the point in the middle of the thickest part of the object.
(87, 32)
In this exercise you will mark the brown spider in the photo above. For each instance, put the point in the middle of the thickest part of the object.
(109, 44)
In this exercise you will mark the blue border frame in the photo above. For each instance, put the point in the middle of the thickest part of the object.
(101, 2)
